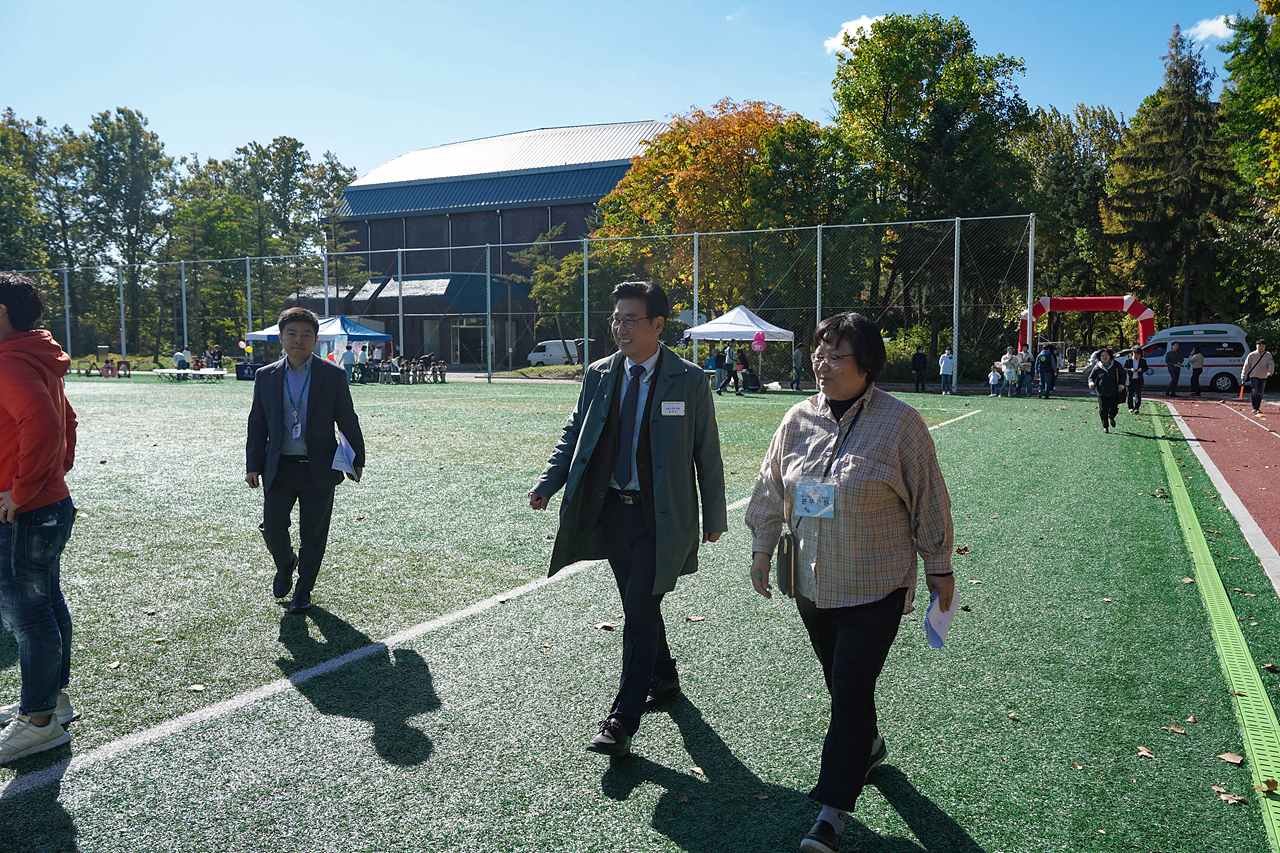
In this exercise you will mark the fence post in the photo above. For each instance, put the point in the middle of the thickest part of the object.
(693, 342)
(248, 293)
(324, 254)
(66, 308)
(124, 355)
(586, 312)
(488, 313)
(955, 311)
(400, 297)
(182, 270)
(818, 319)
(1031, 273)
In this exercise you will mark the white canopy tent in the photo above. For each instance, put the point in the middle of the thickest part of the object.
(740, 324)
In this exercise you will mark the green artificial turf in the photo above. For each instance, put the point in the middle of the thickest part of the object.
(1022, 734)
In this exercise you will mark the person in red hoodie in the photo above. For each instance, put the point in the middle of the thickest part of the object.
(37, 447)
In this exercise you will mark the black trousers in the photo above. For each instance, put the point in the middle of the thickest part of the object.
(852, 644)
(732, 377)
(1195, 380)
(1135, 395)
(293, 484)
(919, 380)
(632, 556)
(1174, 373)
(1107, 408)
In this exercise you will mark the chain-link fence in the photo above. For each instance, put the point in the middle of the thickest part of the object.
(499, 307)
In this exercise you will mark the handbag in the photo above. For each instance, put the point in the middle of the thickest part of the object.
(786, 570)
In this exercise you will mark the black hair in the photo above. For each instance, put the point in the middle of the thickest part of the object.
(655, 298)
(863, 337)
(24, 300)
(298, 314)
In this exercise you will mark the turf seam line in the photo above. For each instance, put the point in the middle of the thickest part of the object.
(1262, 547)
(1257, 719)
(1248, 419)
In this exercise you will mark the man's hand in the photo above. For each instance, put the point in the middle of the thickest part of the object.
(252, 479)
(8, 509)
(760, 574)
(538, 501)
(707, 536)
(945, 586)
(356, 476)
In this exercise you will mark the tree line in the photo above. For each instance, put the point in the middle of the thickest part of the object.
(110, 195)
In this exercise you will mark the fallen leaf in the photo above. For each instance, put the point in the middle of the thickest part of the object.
(975, 582)
(196, 688)
(1103, 831)
(1268, 786)
(1234, 799)
(102, 462)
(965, 608)
(1232, 758)
(115, 664)
(1238, 693)
(698, 770)
(1188, 580)
(162, 639)
(1219, 789)
(1177, 729)
(682, 798)
(963, 549)
(1270, 667)
(1077, 766)
(606, 626)
(1013, 715)
(694, 618)
(1143, 752)
(360, 518)
(1191, 719)
(1106, 599)
(1250, 595)
(762, 796)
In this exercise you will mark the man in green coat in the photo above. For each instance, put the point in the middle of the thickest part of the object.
(639, 448)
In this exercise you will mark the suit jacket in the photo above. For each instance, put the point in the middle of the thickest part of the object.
(328, 403)
(678, 459)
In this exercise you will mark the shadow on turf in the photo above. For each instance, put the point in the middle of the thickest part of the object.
(36, 822)
(385, 689)
(724, 811)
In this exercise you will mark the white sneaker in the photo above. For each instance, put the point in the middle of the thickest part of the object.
(20, 738)
(64, 712)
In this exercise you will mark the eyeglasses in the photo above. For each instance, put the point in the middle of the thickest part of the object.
(627, 323)
(829, 359)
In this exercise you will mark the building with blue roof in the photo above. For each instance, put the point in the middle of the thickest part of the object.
(421, 221)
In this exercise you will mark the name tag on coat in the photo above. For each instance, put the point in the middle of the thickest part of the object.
(675, 408)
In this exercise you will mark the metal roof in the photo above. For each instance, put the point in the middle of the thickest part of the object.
(490, 193)
(545, 148)
(463, 291)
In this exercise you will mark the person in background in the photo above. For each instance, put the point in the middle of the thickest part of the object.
(857, 570)
(1173, 362)
(743, 365)
(1135, 370)
(215, 357)
(919, 364)
(639, 450)
(1009, 367)
(731, 368)
(1072, 352)
(362, 363)
(1024, 373)
(995, 379)
(347, 360)
(298, 403)
(1258, 366)
(37, 449)
(377, 353)
(1046, 365)
(1196, 363)
(797, 367)
(947, 370)
(1107, 378)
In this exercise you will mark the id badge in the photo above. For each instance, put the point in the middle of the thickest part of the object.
(816, 497)
(296, 432)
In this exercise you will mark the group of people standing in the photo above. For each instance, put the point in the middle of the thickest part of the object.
(732, 363)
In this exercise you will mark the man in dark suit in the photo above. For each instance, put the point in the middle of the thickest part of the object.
(643, 428)
(297, 401)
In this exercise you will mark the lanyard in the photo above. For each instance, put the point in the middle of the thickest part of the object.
(302, 395)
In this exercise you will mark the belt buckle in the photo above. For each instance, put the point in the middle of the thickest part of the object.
(629, 500)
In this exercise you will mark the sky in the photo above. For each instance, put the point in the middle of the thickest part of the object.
(371, 80)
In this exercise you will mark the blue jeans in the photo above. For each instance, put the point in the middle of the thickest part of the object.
(946, 382)
(31, 602)
(1024, 384)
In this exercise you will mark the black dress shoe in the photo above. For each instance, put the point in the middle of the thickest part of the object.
(823, 838)
(612, 740)
(301, 604)
(283, 581)
(660, 690)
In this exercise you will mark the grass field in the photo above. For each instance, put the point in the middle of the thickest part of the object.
(1081, 643)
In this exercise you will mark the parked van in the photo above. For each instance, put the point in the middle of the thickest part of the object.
(1223, 346)
(553, 352)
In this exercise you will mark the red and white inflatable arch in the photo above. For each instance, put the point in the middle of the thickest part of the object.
(1145, 316)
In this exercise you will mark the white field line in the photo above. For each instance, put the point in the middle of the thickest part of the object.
(77, 763)
(1258, 541)
(1258, 424)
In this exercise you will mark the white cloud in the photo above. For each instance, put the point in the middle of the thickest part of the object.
(857, 29)
(1211, 29)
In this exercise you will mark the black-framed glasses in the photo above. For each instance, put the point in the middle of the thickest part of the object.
(828, 358)
(627, 323)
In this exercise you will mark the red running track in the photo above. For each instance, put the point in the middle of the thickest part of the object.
(1246, 450)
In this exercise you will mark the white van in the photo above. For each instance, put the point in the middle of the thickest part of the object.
(553, 352)
(1223, 346)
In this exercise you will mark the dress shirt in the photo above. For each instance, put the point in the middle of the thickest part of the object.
(645, 381)
(891, 501)
(295, 381)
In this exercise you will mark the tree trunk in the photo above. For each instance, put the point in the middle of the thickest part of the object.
(1186, 289)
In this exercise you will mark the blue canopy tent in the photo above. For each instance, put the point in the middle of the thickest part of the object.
(331, 328)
